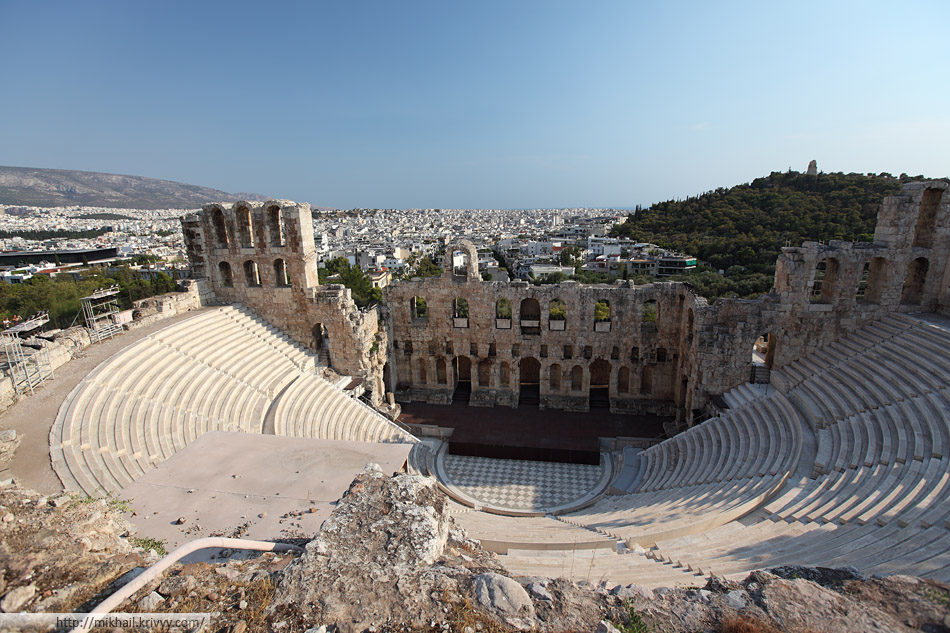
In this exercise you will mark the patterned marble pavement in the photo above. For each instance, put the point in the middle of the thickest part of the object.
(516, 484)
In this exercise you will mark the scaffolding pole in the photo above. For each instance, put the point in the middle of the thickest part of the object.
(28, 370)
(101, 313)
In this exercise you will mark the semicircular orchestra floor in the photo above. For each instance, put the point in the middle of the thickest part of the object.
(521, 485)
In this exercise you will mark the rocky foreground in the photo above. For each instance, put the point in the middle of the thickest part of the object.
(390, 559)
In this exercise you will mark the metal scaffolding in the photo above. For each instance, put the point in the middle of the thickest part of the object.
(31, 367)
(101, 312)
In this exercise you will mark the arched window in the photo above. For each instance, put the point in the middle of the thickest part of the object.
(275, 226)
(460, 308)
(914, 281)
(220, 228)
(557, 314)
(280, 273)
(484, 373)
(530, 311)
(649, 312)
(601, 311)
(440, 371)
(530, 314)
(623, 380)
(577, 378)
(927, 218)
(646, 381)
(252, 276)
(227, 279)
(418, 308)
(554, 377)
(876, 280)
(826, 277)
(503, 309)
(245, 233)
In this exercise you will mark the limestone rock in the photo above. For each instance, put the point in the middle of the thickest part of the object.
(606, 627)
(149, 602)
(629, 591)
(506, 598)
(17, 598)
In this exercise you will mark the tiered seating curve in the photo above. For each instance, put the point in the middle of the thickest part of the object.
(220, 370)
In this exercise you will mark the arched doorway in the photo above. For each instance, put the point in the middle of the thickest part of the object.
(599, 397)
(914, 281)
(763, 355)
(318, 337)
(462, 368)
(529, 381)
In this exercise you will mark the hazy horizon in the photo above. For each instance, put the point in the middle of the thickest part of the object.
(491, 105)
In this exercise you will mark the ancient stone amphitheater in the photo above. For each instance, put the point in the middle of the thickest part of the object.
(840, 459)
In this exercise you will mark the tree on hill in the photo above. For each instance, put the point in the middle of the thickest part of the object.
(747, 225)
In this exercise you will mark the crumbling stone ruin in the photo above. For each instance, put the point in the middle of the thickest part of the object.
(658, 348)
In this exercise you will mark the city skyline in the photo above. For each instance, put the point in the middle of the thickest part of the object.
(426, 105)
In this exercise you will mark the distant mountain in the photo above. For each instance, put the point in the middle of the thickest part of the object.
(60, 187)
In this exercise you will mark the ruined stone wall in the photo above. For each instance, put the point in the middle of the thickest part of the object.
(666, 359)
(262, 255)
(642, 366)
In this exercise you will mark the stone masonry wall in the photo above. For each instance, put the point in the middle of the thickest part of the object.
(262, 255)
(661, 348)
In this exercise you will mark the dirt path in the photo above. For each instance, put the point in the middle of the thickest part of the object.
(33, 415)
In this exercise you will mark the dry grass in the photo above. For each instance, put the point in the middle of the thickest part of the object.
(741, 624)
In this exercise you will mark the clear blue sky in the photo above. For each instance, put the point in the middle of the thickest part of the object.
(477, 104)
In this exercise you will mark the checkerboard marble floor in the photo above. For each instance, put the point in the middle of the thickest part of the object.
(516, 484)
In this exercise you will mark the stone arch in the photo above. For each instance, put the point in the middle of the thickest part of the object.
(460, 308)
(227, 277)
(484, 373)
(529, 371)
(280, 273)
(927, 218)
(245, 231)
(440, 373)
(763, 355)
(220, 228)
(530, 310)
(599, 373)
(418, 308)
(876, 280)
(529, 381)
(423, 374)
(554, 377)
(623, 379)
(252, 276)
(599, 391)
(461, 261)
(529, 314)
(577, 378)
(275, 227)
(463, 369)
(649, 313)
(914, 281)
(318, 337)
(825, 280)
(646, 381)
(503, 308)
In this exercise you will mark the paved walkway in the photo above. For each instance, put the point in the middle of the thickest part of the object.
(517, 484)
(32, 416)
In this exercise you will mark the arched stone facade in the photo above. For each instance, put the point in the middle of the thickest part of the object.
(657, 348)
